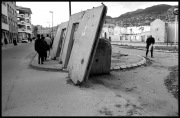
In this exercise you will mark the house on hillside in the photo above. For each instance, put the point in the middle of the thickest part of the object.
(158, 30)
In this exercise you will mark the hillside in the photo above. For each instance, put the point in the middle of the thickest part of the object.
(144, 16)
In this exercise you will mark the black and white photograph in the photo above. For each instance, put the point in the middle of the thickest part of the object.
(90, 58)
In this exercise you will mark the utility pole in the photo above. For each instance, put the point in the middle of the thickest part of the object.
(52, 22)
(69, 9)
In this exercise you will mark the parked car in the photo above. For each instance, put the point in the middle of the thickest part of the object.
(25, 40)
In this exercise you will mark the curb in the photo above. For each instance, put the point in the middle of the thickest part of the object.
(166, 51)
(129, 66)
(34, 66)
(122, 67)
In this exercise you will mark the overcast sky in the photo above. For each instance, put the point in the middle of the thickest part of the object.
(41, 15)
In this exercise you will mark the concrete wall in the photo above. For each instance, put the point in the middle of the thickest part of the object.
(67, 45)
(85, 43)
(58, 40)
(102, 60)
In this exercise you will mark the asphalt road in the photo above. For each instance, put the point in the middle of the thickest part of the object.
(14, 61)
(139, 91)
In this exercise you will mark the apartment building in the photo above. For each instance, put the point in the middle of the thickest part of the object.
(4, 22)
(12, 21)
(24, 23)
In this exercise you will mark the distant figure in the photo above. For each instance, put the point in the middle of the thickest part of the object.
(40, 47)
(48, 41)
(5, 41)
(149, 45)
(14, 40)
(30, 39)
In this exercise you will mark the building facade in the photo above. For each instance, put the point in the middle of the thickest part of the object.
(24, 23)
(158, 30)
(45, 31)
(12, 21)
(4, 23)
(162, 32)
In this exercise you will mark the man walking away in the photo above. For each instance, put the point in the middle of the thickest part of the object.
(40, 47)
(149, 45)
(48, 41)
(45, 52)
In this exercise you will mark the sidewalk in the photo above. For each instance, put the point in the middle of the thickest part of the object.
(128, 61)
(9, 46)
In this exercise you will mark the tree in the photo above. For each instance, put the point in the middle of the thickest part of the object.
(35, 31)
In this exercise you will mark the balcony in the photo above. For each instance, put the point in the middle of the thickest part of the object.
(20, 16)
(21, 30)
(21, 23)
(25, 30)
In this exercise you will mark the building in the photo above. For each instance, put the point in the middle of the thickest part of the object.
(12, 21)
(4, 22)
(45, 31)
(158, 30)
(170, 28)
(24, 23)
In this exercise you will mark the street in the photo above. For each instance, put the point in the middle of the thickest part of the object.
(135, 92)
(14, 61)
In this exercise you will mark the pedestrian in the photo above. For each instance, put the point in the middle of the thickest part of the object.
(40, 47)
(149, 45)
(48, 41)
(30, 39)
(52, 42)
(5, 41)
(45, 52)
(14, 40)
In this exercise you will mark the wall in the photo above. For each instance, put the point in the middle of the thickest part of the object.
(4, 12)
(158, 30)
(102, 59)
(171, 32)
(85, 42)
(67, 45)
(58, 40)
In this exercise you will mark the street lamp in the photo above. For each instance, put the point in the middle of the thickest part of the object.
(52, 22)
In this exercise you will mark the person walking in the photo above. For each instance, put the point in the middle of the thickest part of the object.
(5, 41)
(52, 42)
(149, 45)
(14, 41)
(45, 52)
(40, 47)
(48, 41)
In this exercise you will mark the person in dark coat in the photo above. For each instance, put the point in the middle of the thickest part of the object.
(5, 41)
(40, 47)
(14, 41)
(150, 42)
(45, 53)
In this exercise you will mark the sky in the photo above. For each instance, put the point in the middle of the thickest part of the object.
(41, 10)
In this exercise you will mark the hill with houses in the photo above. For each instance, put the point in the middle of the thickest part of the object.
(144, 16)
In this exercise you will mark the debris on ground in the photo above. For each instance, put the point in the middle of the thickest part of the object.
(172, 81)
